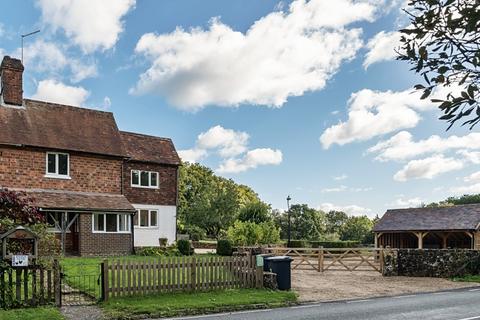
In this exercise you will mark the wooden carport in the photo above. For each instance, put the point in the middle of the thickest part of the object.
(430, 228)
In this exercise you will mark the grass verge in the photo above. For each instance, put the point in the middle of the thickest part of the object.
(180, 304)
(467, 278)
(44, 313)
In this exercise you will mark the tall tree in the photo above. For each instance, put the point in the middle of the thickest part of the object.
(442, 44)
(306, 223)
(358, 229)
(335, 221)
(256, 212)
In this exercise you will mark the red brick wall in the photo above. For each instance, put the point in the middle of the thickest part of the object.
(166, 194)
(101, 244)
(25, 168)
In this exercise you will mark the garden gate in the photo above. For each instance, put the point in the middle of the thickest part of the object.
(80, 283)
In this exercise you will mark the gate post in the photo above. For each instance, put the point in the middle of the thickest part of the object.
(104, 280)
(57, 283)
(320, 259)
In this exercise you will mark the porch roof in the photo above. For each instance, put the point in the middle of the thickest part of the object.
(79, 201)
(459, 217)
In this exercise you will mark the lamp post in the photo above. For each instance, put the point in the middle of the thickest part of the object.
(289, 223)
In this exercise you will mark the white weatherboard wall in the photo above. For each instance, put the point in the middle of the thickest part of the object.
(148, 236)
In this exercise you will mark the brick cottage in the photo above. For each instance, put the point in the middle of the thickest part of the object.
(103, 191)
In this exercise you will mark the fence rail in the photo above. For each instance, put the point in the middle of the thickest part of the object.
(332, 259)
(29, 286)
(123, 277)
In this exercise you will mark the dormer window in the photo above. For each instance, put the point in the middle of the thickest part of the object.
(58, 165)
(144, 179)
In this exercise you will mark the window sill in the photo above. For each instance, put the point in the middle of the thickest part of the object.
(112, 232)
(138, 227)
(144, 187)
(57, 176)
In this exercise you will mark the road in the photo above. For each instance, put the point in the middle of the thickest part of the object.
(462, 304)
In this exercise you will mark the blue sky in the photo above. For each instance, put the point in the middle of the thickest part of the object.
(290, 97)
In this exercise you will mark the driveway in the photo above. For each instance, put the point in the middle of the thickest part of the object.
(340, 285)
(461, 304)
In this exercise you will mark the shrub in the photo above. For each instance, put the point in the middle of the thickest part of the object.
(334, 244)
(250, 233)
(298, 244)
(224, 247)
(196, 233)
(184, 247)
(170, 251)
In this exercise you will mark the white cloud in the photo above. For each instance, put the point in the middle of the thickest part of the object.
(408, 203)
(427, 168)
(473, 178)
(192, 155)
(401, 146)
(281, 55)
(373, 113)
(382, 47)
(345, 188)
(349, 209)
(251, 160)
(92, 25)
(470, 156)
(51, 59)
(229, 142)
(54, 91)
(335, 189)
(231, 146)
(340, 177)
(470, 189)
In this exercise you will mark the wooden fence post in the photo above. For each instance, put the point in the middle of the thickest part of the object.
(193, 274)
(320, 259)
(258, 275)
(57, 282)
(104, 280)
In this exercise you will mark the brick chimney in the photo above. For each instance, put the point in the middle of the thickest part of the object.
(11, 74)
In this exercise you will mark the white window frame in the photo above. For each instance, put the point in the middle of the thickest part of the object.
(129, 223)
(150, 210)
(150, 173)
(56, 175)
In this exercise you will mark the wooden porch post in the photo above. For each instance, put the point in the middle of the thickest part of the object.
(472, 245)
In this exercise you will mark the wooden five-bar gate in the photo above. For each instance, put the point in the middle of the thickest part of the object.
(332, 259)
(127, 277)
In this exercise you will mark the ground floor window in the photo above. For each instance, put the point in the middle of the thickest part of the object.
(55, 220)
(146, 218)
(111, 222)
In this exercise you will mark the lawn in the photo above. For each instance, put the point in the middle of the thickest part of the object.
(175, 304)
(45, 313)
(468, 278)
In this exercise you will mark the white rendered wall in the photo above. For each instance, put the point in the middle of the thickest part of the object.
(148, 236)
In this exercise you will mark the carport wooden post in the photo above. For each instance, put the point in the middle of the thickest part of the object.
(420, 236)
(471, 239)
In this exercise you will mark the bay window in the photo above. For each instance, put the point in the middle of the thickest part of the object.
(111, 222)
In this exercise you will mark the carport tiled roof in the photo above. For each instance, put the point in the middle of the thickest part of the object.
(81, 201)
(460, 217)
(55, 126)
(146, 148)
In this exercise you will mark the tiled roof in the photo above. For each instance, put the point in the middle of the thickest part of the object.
(460, 217)
(50, 125)
(146, 148)
(81, 201)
